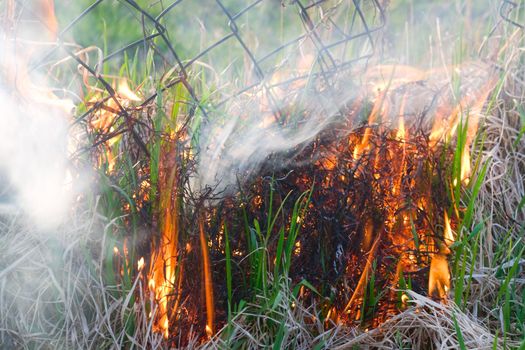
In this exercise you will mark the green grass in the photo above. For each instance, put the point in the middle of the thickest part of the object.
(270, 242)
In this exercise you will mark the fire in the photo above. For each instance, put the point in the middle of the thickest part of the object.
(401, 132)
(163, 273)
(297, 249)
(209, 330)
(465, 165)
(415, 116)
(448, 236)
(439, 277)
(392, 91)
(46, 11)
(23, 42)
(208, 283)
(388, 148)
(125, 93)
(381, 173)
(140, 264)
(167, 272)
(104, 121)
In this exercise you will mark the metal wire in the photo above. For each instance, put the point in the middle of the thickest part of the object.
(361, 20)
(507, 8)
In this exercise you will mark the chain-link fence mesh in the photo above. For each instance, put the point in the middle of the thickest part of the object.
(509, 10)
(259, 46)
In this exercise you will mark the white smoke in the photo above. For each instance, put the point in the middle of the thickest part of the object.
(33, 138)
(237, 146)
(235, 141)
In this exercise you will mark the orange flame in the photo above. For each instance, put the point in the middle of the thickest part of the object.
(163, 270)
(395, 96)
(448, 236)
(47, 10)
(126, 93)
(396, 223)
(104, 120)
(465, 165)
(439, 275)
(208, 283)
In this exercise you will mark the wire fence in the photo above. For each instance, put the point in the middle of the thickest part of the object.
(336, 34)
(508, 11)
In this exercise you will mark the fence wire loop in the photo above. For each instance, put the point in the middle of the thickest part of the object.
(506, 10)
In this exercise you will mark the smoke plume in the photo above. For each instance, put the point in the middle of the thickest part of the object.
(34, 124)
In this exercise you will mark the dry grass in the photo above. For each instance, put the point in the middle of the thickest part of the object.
(51, 291)
(426, 324)
(52, 294)
(498, 202)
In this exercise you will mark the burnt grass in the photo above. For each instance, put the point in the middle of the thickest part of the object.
(352, 208)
